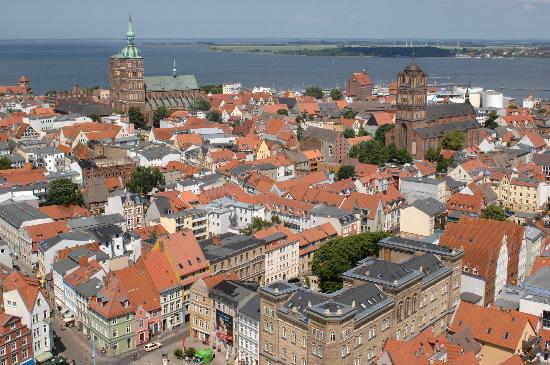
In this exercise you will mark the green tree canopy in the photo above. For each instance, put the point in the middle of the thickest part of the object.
(314, 91)
(282, 112)
(5, 163)
(372, 152)
(349, 114)
(491, 120)
(340, 254)
(212, 89)
(63, 192)
(199, 104)
(380, 134)
(256, 225)
(336, 94)
(345, 172)
(95, 117)
(299, 132)
(135, 116)
(159, 114)
(433, 154)
(145, 179)
(362, 132)
(214, 116)
(494, 212)
(399, 155)
(349, 133)
(453, 140)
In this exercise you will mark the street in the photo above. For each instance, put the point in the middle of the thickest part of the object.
(74, 345)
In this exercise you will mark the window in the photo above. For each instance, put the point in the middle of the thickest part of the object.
(283, 354)
(293, 358)
(332, 337)
(115, 333)
(128, 328)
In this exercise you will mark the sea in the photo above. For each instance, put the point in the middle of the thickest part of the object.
(58, 64)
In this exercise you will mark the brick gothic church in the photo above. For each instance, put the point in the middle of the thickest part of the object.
(129, 87)
(419, 126)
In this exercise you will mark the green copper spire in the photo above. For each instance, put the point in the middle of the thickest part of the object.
(174, 71)
(130, 35)
(130, 51)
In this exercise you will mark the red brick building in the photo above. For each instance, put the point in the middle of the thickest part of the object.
(15, 341)
(359, 85)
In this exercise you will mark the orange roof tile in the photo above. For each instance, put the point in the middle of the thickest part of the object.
(57, 212)
(27, 287)
(41, 232)
(139, 287)
(492, 325)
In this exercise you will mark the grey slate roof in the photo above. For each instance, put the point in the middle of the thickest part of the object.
(15, 213)
(230, 244)
(439, 130)
(89, 288)
(95, 221)
(430, 206)
(71, 236)
(157, 152)
(439, 111)
(252, 308)
(170, 83)
(321, 134)
(235, 291)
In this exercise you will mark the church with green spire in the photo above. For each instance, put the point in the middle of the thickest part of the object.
(130, 88)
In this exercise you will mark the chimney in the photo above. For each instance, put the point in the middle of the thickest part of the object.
(216, 240)
(82, 261)
(353, 304)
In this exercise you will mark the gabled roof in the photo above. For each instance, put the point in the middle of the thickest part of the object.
(112, 300)
(27, 287)
(492, 325)
(184, 253)
(139, 287)
(57, 212)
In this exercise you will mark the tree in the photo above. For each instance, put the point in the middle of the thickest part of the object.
(190, 352)
(491, 120)
(282, 112)
(453, 140)
(349, 133)
(314, 91)
(5, 163)
(299, 118)
(372, 152)
(275, 220)
(433, 154)
(145, 179)
(95, 117)
(136, 118)
(380, 134)
(159, 114)
(399, 155)
(199, 104)
(179, 354)
(340, 254)
(349, 114)
(345, 172)
(257, 225)
(212, 89)
(299, 132)
(443, 164)
(214, 116)
(362, 132)
(63, 192)
(494, 212)
(336, 94)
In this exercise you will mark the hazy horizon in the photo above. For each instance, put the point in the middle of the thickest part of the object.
(443, 20)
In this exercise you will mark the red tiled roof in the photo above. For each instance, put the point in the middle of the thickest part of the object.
(57, 212)
(492, 325)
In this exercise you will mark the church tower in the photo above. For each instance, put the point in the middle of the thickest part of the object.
(412, 92)
(126, 78)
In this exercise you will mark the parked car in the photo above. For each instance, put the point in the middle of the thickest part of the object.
(151, 346)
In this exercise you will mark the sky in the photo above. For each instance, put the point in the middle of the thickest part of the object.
(321, 19)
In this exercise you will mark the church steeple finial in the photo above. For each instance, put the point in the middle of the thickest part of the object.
(130, 35)
(467, 96)
(174, 71)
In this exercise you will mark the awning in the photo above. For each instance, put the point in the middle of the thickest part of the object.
(44, 356)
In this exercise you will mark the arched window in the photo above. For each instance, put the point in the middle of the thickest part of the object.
(414, 304)
(408, 307)
(400, 311)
